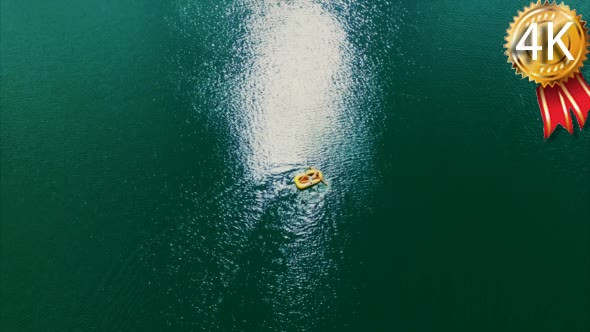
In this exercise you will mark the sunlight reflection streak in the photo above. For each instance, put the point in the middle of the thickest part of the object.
(291, 97)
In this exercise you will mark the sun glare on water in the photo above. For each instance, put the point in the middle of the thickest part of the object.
(292, 87)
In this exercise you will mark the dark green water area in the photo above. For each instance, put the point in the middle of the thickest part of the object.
(148, 150)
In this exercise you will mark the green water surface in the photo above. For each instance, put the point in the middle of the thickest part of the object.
(148, 150)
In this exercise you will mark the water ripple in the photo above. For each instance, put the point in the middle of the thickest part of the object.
(291, 92)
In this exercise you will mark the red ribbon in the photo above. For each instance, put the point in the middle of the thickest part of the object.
(557, 101)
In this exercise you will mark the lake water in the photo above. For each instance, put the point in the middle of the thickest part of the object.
(149, 147)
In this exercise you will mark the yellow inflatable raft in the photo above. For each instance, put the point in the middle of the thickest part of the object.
(308, 179)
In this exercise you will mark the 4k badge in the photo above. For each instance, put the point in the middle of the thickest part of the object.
(548, 44)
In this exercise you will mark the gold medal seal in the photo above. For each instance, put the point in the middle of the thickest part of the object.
(541, 68)
(548, 44)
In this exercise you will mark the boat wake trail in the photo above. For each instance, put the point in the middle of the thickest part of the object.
(295, 105)
(253, 251)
